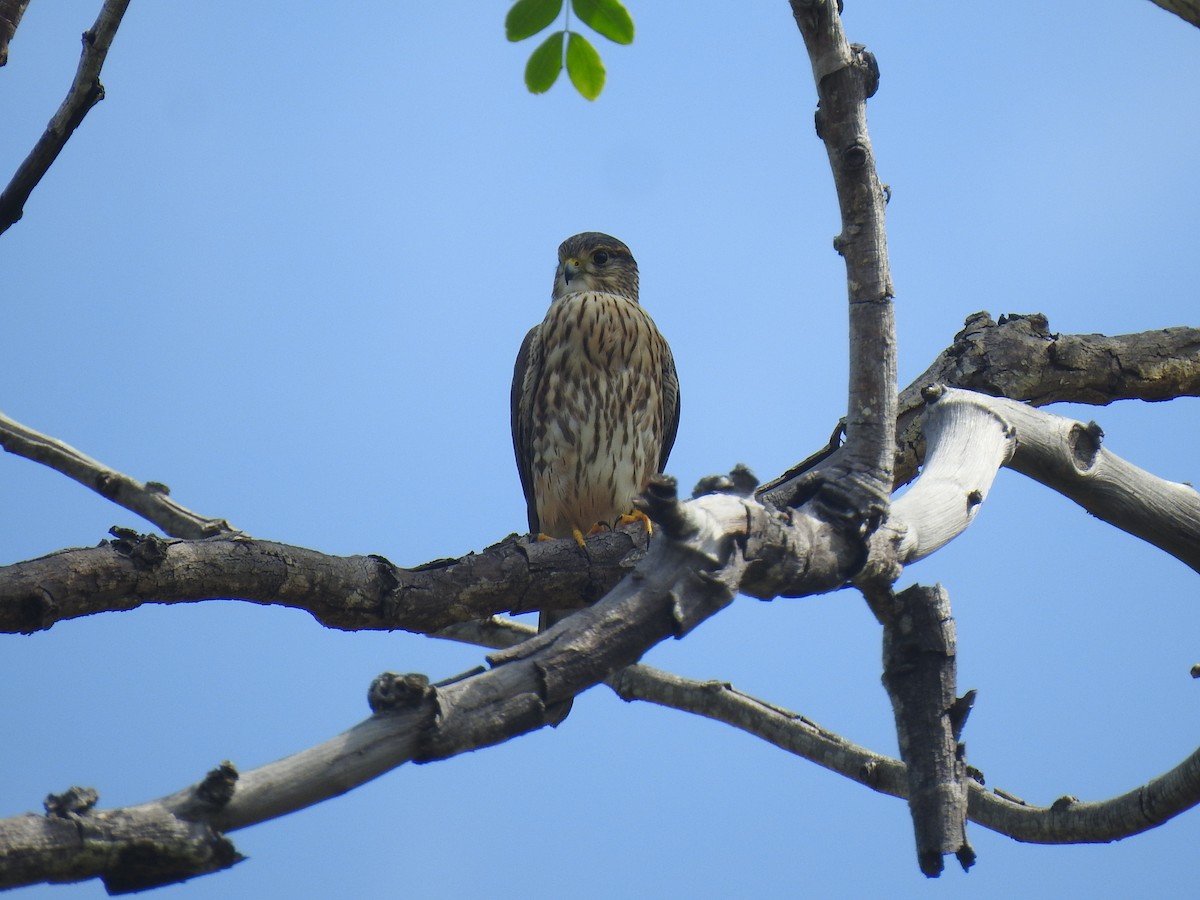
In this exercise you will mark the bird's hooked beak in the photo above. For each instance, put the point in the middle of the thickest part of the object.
(571, 269)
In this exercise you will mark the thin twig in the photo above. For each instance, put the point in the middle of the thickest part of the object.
(149, 500)
(85, 92)
(1067, 821)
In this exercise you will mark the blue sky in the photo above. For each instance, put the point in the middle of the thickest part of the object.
(285, 268)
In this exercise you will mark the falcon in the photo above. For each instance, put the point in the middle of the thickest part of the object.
(595, 397)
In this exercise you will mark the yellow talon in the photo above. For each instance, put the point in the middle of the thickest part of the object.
(575, 533)
(637, 516)
(628, 519)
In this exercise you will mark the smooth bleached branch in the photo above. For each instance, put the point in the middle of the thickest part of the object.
(967, 444)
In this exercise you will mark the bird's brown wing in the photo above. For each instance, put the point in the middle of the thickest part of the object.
(670, 390)
(526, 373)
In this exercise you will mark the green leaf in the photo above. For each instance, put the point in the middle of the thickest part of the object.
(544, 64)
(584, 66)
(609, 17)
(528, 17)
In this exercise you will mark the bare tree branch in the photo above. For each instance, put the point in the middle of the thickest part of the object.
(674, 589)
(1020, 358)
(1066, 821)
(130, 849)
(85, 92)
(150, 500)
(968, 443)
(920, 672)
(352, 593)
(1188, 10)
(845, 75)
(435, 722)
(974, 433)
(10, 18)
(1066, 455)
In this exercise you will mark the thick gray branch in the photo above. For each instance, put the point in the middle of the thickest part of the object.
(129, 850)
(920, 672)
(417, 722)
(84, 93)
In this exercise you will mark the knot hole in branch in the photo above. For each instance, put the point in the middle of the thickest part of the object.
(1085, 443)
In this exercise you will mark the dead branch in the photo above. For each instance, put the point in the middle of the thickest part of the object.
(352, 593)
(10, 17)
(1020, 358)
(1188, 10)
(514, 576)
(968, 443)
(846, 75)
(920, 672)
(1067, 456)
(150, 500)
(85, 92)
(678, 585)
(1066, 821)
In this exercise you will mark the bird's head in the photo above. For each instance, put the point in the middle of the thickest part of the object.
(595, 262)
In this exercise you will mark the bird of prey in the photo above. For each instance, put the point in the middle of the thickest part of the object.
(595, 397)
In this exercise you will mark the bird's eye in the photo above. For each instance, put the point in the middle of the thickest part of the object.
(600, 257)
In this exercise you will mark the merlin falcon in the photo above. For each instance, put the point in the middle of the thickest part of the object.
(595, 397)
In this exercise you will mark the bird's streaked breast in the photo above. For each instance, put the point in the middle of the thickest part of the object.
(598, 413)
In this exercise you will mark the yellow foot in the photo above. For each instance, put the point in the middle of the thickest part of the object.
(575, 533)
(636, 516)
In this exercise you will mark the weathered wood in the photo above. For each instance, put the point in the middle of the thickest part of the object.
(920, 672)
